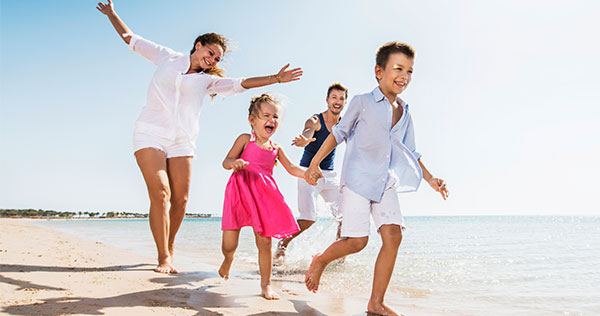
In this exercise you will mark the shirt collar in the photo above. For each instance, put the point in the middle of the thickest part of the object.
(378, 97)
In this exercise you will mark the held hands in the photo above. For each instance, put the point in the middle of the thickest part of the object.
(239, 164)
(439, 186)
(288, 75)
(302, 141)
(106, 8)
(312, 175)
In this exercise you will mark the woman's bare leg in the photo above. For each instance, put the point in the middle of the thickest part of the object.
(153, 164)
(179, 170)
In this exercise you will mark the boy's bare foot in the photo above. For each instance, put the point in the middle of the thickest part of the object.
(313, 275)
(224, 268)
(380, 309)
(164, 266)
(268, 293)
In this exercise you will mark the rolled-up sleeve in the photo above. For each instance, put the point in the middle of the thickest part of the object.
(344, 128)
(225, 86)
(151, 51)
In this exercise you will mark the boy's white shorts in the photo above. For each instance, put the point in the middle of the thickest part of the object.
(328, 187)
(356, 210)
(180, 147)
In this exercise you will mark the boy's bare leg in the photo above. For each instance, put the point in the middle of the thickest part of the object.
(228, 246)
(180, 175)
(338, 249)
(153, 164)
(391, 236)
(282, 244)
(265, 266)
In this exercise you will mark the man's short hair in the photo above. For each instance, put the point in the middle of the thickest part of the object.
(337, 86)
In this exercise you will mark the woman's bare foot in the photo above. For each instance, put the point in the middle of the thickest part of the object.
(225, 267)
(171, 251)
(268, 293)
(380, 309)
(164, 266)
(313, 275)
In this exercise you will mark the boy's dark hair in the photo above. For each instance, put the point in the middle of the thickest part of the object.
(337, 86)
(384, 52)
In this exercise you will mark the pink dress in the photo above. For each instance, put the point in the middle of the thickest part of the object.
(253, 199)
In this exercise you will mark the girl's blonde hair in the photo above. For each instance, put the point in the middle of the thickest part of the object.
(257, 100)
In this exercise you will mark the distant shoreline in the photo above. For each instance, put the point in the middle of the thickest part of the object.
(52, 214)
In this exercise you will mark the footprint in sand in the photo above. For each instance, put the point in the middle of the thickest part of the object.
(290, 292)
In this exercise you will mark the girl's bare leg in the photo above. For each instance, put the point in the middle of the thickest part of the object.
(391, 236)
(179, 170)
(228, 246)
(265, 265)
(153, 164)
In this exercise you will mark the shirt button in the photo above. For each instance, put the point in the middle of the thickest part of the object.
(382, 180)
(387, 156)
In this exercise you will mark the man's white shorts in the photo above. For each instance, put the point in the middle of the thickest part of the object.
(180, 147)
(356, 210)
(328, 187)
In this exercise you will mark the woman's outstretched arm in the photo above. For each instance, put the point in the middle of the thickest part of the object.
(121, 28)
(283, 75)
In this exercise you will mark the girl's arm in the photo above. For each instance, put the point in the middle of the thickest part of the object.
(233, 161)
(289, 166)
(121, 28)
(283, 75)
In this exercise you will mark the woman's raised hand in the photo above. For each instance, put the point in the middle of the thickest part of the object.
(106, 8)
(285, 75)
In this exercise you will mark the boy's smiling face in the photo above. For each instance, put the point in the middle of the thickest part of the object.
(395, 77)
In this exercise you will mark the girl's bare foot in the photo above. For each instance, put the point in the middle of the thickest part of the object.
(225, 267)
(164, 266)
(268, 293)
(380, 309)
(313, 275)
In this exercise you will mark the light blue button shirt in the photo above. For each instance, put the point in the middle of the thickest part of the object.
(375, 150)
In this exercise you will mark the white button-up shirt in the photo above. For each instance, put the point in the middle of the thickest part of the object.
(174, 99)
(375, 149)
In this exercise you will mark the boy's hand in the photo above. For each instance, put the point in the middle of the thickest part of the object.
(302, 141)
(439, 186)
(106, 8)
(312, 175)
(239, 164)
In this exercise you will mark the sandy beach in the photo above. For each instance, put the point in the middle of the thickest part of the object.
(45, 272)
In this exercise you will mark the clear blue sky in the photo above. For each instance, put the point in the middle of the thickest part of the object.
(504, 97)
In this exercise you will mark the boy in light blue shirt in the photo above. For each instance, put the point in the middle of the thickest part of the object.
(380, 160)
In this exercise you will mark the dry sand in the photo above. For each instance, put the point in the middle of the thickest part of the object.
(44, 272)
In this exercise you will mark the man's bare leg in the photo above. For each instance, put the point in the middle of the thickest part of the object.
(282, 244)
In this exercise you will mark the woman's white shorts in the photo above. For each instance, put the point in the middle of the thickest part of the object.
(180, 147)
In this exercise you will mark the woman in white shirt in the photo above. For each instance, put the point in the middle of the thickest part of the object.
(166, 130)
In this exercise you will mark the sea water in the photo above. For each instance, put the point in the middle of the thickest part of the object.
(479, 265)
